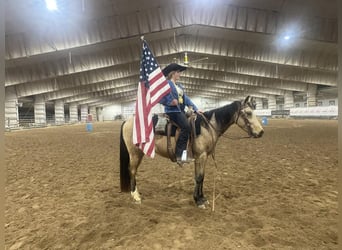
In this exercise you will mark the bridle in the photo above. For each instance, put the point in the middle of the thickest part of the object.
(243, 115)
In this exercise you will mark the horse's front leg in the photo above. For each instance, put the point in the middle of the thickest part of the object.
(199, 198)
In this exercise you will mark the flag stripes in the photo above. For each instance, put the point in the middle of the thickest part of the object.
(151, 88)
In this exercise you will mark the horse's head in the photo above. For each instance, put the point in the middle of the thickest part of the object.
(247, 120)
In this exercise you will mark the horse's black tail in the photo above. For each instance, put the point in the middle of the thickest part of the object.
(125, 178)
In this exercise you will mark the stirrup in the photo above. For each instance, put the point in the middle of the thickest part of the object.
(181, 162)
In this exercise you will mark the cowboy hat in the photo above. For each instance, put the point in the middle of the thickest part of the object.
(173, 67)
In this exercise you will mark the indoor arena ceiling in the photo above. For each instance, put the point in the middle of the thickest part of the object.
(89, 52)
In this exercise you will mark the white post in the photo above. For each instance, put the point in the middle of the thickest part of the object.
(92, 111)
(258, 103)
(84, 113)
(288, 100)
(73, 112)
(99, 114)
(311, 95)
(39, 110)
(11, 107)
(59, 112)
(272, 102)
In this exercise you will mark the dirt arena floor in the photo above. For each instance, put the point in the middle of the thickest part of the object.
(276, 192)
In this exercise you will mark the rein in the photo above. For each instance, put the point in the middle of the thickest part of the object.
(235, 138)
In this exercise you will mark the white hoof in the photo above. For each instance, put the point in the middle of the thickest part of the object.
(136, 196)
(203, 206)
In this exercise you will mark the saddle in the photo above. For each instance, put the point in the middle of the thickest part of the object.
(164, 126)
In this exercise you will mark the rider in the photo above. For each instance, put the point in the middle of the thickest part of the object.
(175, 103)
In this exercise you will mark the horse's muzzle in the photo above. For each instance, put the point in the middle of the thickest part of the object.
(258, 135)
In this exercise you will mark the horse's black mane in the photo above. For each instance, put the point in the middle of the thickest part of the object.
(223, 115)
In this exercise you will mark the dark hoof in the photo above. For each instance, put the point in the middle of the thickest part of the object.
(202, 203)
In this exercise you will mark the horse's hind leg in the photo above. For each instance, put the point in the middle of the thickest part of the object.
(130, 159)
(199, 198)
(134, 163)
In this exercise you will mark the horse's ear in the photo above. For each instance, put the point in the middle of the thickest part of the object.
(246, 100)
(253, 103)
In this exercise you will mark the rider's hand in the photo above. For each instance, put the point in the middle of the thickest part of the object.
(174, 102)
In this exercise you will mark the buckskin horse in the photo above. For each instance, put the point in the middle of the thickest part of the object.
(213, 125)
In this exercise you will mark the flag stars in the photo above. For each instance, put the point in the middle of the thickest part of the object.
(148, 62)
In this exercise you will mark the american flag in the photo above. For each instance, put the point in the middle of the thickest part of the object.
(151, 88)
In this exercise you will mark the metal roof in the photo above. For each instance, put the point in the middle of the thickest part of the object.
(88, 52)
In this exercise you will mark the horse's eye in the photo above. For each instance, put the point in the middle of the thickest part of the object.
(249, 113)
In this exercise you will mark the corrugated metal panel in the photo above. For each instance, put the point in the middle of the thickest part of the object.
(272, 19)
(261, 21)
(200, 83)
(78, 64)
(97, 74)
(108, 28)
(232, 14)
(132, 24)
(219, 18)
(251, 19)
(120, 84)
(246, 80)
(241, 22)
(73, 70)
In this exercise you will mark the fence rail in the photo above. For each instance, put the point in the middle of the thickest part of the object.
(327, 112)
(27, 123)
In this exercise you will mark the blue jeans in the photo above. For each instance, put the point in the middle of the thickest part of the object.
(181, 120)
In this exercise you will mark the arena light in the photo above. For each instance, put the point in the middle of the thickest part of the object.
(287, 38)
(51, 5)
